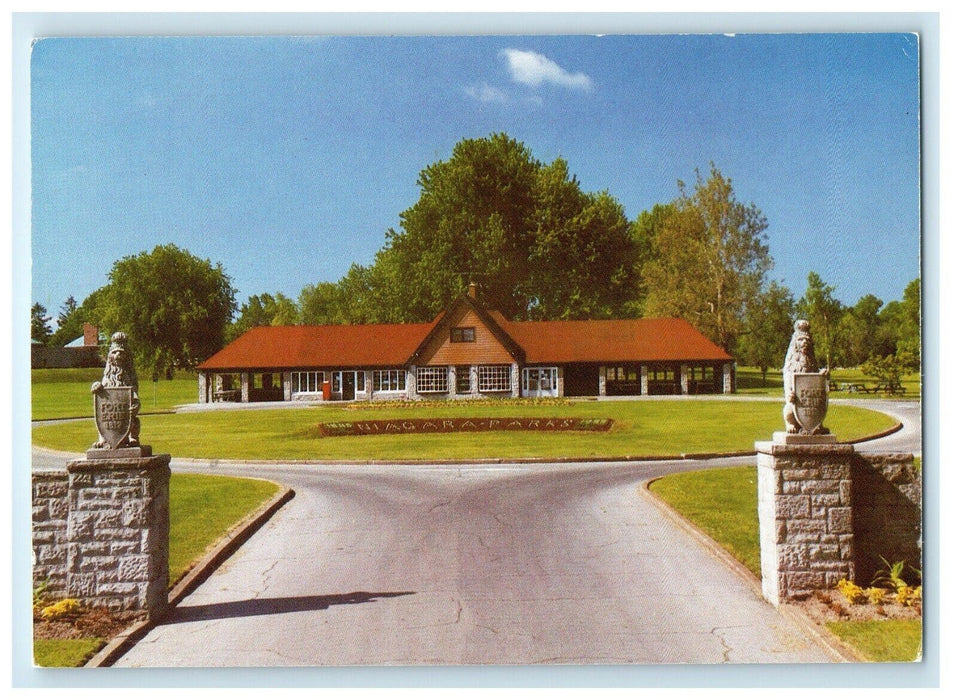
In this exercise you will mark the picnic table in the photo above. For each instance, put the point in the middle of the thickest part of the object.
(227, 395)
(853, 387)
(889, 388)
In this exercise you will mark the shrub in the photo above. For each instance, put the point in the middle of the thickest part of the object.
(67, 607)
(875, 595)
(853, 594)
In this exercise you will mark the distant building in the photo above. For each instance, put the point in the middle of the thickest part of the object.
(467, 352)
(82, 352)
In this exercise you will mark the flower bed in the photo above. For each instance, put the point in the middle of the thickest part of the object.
(459, 425)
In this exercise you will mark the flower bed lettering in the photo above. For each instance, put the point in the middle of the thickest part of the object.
(458, 425)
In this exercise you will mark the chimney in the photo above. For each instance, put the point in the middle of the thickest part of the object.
(472, 290)
(91, 336)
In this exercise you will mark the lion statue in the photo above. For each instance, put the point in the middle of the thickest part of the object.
(799, 358)
(117, 372)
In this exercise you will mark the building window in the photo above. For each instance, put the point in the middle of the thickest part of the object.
(463, 381)
(431, 380)
(702, 373)
(540, 380)
(495, 378)
(462, 334)
(308, 381)
(389, 380)
(360, 381)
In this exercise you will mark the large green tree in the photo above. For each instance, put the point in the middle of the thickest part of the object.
(710, 259)
(39, 323)
(823, 312)
(174, 306)
(264, 310)
(768, 326)
(858, 334)
(69, 323)
(537, 245)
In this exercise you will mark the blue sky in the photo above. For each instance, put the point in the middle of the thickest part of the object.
(287, 159)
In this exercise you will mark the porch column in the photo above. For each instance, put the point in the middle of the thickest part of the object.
(244, 387)
(287, 386)
(411, 382)
(451, 379)
(728, 386)
(474, 380)
(601, 381)
(202, 381)
(514, 379)
(644, 380)
(684, 378)
(560, 381)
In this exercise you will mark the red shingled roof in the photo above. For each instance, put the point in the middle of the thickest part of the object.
(290, 347)
(644, 339)
(636, 340)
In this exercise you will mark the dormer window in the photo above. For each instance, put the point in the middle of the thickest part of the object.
(462, 334)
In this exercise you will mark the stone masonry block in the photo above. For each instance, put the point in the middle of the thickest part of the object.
(836, 471)
(822, 486)
(804, 580)
(800, 474)
(826, 499)
(792, 507)
(793, 557)
(824, 552)
(792, 488)
(135, 568)
(840, 520)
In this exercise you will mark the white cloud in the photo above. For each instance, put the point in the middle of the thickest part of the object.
(534, 69)
(486, 93)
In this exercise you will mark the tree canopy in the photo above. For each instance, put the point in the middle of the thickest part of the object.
(263, 310)
(39, 323)
(538, 246)
(768, 325)
(709, 259)
(174, 306)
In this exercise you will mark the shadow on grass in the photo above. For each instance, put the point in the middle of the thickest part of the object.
(274, 606)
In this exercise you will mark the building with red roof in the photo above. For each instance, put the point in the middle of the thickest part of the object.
(467, 351)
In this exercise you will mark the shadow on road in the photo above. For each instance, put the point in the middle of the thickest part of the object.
(274, 606)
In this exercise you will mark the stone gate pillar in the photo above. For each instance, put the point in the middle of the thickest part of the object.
(118, 531)
(805, 517)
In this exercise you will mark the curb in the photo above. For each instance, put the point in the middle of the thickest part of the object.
(838, 650)
(227, 545)
(494, 460)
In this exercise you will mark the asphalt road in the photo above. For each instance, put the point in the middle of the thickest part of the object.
(540, 564)
(505, 564)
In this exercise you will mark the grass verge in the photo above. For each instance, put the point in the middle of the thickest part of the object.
(748, 381)
(65, 653)
(203, 509)
(723, 503)
(642, 428)
(65, 393)
(881, 640)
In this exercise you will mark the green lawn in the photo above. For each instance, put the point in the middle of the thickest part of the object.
(881, 640)
(723, 503)
(65, 653)
(203, 509)
(641, 428)
(65, 393)
(748, 382)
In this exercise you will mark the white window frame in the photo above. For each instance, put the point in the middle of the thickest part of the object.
(301, 384)
(388, 381)
(534, 387)
(432, 379)
(495, 378)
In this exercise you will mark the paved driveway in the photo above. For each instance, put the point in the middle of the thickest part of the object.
(539, 564)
